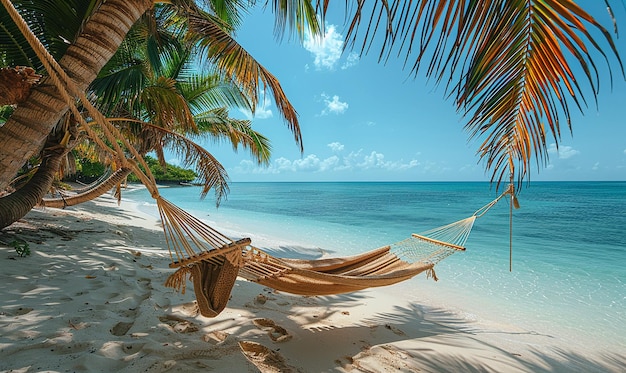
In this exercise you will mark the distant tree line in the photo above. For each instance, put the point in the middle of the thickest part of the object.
(88, 170)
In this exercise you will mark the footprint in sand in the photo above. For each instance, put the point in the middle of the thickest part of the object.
(121, 328)
(179, 325)
(276, 332)
(189, 309)
(260, 299)
(266, 360)
(21, 311)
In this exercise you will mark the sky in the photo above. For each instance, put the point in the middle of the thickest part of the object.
(362, 120)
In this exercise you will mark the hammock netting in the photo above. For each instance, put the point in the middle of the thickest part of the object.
(213, 261)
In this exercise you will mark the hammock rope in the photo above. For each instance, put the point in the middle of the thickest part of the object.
(213, 261)
(380, 267)
(184, 233)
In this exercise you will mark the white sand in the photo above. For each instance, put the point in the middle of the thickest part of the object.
(90, 298)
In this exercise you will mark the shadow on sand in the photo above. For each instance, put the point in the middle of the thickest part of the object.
(410, 337)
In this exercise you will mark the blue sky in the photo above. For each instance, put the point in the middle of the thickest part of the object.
(365, 121)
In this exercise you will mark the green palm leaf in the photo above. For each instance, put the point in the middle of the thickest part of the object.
(206, 91)
(210, 171)
(238, 132)
(56, 24)
(165, 107)
(236, 63)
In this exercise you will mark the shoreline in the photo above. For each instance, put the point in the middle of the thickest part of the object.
(90, 298)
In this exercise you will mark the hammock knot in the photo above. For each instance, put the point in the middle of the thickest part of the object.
(431, 274)
(235, 257)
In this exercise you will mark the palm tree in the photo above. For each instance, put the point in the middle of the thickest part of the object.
(17, 204)
(211, 27)
(159, 99)
(24, 133)
(83, 67)
(505, 63)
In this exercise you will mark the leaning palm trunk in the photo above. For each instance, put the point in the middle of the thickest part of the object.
(24, 134)
(17, 204)
(114, 179)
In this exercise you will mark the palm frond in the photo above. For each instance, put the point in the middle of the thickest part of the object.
(119, 88)
(228, 11)
(55, 23)
(237, 64)
(296, 16)
(210, 171)
(166, 107)
(509, 65)
(219, 126)
(207, 91)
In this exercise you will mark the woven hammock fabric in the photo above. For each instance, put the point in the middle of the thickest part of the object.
(213, 261)
(376, 268)
(381, 267)
(214, 269)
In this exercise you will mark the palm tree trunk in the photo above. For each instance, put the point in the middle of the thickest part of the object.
(24, 134)
(17, 204)
(62, 202)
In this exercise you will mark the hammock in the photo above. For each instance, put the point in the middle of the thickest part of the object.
(217, 261)
(213, 261)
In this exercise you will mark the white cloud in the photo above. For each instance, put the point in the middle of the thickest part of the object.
(336, 146)
(174, 161)
(564, 152)
(282, 164)
(352, 60)
(327, 50)
(263, 111)
(310, 163)
(333, 105)
(567, 152)
(373, 160)
(624, 151)
(355, 161)
(596, 166)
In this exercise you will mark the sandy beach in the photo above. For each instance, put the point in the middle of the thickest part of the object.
(90, 298)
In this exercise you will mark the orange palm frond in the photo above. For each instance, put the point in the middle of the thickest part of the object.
(512, 67)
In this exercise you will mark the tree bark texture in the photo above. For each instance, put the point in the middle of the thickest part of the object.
(20, 202)
(25, 133)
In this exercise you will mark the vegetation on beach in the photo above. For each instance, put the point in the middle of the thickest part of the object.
(508, 65)
(170, 173)
(21, 247)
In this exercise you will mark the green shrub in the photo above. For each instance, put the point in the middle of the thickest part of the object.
(21, 247)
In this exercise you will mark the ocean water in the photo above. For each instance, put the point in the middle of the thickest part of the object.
(568, 275)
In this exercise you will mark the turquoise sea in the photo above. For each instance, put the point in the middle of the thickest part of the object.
(568, 275)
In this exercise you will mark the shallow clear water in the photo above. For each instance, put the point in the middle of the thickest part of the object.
(569, 247)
